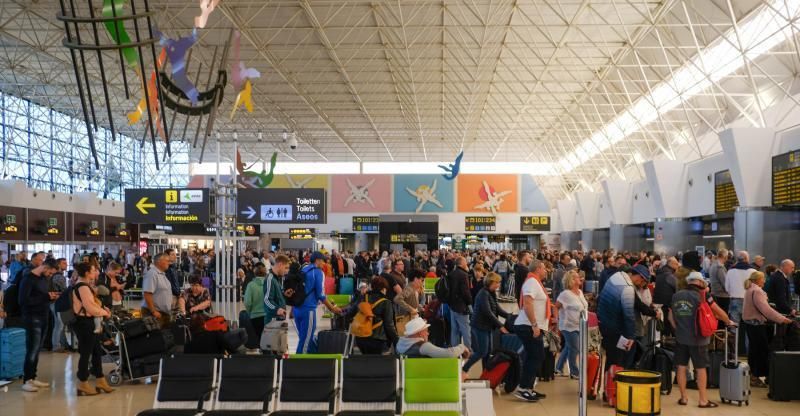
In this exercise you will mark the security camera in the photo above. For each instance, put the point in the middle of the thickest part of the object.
(292, 141)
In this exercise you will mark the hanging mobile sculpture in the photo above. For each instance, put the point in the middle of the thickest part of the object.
(131, 31)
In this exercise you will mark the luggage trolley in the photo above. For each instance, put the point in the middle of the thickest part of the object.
(117, 354)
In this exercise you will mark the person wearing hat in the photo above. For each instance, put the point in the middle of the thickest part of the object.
(305, 315)
(617, 314)
(415, 343)
(690, 344)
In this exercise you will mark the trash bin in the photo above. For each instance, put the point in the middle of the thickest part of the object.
(638, 393)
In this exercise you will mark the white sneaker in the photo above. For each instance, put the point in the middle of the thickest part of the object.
(30, 387)
(40, 384)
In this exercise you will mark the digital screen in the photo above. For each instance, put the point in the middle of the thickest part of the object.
(476, 223)
(725, 199)
(786, 179)
(302, 233)
(367, 224)
(535, 223)
(281, 206)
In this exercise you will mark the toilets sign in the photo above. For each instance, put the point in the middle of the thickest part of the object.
(281, 206)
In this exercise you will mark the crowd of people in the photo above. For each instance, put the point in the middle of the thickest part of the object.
(532, 294)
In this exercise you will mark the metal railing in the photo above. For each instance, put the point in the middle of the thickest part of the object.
(584, 352)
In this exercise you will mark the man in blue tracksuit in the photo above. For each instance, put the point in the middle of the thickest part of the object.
(305, 315)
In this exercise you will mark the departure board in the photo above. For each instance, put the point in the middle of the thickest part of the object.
(725, 199)
(480, 223)
(786, 179)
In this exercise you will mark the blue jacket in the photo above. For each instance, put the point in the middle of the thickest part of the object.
(315, 290)
(615, 307)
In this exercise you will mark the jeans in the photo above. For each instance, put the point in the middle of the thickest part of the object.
(459, 329)
(570, 351)
(534, 355)
(88, 348)
(35, 327)
(735, 309)
(59, 340)
(483, 346)
(234, 339)
(503, 282)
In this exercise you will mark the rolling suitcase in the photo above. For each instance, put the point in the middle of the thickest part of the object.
(12, 353)
(156, 342)
(438, 333)
(333, 342)
(275, 337)
(346, 286)
(610, 394)
(592, 374)
(330, 286)
(497, 367)
(716, 358)
(734, 377)
(655, 358)
(783, 369)
(146, 366)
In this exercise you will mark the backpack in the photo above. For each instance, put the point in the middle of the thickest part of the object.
(706, 322)
(442, 289)
(364, 321)
(11, 300)
(295, 283)
(63, 305)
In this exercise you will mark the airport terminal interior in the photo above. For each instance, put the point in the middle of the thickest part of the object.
(399, 207)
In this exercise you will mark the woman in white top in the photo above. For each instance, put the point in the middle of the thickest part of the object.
(570, 304)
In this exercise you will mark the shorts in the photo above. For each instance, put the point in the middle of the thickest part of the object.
(698, 354)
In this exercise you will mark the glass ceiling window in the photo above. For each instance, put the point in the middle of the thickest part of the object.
(49, 150)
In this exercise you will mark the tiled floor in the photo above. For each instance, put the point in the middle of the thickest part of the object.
(129, 399)
(562, 397)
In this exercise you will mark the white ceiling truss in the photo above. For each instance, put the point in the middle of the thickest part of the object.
(416, 81)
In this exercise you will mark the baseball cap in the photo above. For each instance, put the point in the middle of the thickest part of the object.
(317, 256)
(641, 271)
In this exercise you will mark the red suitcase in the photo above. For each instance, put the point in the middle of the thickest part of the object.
(611, 386)
(592, 374)
(330, 286)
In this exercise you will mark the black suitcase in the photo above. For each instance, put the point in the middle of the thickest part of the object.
(783, 369)
(716, 358)
(548, 370)
(137, 327)
(147, 366)
(661, 361)
(438, 333)
(156, 342)
(333, 342)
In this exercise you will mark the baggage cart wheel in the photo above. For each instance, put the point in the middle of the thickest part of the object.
(114, 378)
(740, 404)
(747, 402)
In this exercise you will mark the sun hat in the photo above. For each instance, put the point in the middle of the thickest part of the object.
(415, 325)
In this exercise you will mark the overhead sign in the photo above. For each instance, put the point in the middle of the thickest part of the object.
(167, 206)
(301, 233)
(408, 238)
(725, 199)
(534, 223)
(366, 223)
(786, 179)
(485, 223)
(281, 206)
(10, 223)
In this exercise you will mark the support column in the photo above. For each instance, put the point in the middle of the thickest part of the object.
(587, 236)
(672, 236)
(749, 151)
(362, 242)
(616, 237)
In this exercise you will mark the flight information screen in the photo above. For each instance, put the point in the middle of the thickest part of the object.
(786, 179)
(725, 199)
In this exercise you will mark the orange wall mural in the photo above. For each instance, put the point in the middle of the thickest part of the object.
(489, 194)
